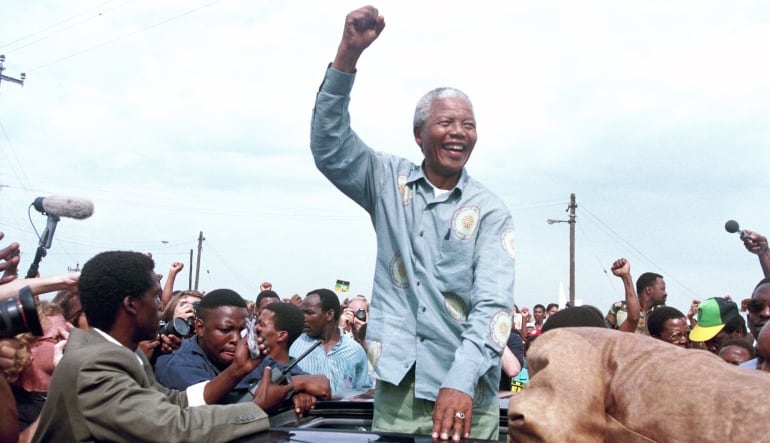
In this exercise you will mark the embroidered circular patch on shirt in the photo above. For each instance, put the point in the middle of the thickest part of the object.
(398, 272)
(373, 352)
(455, 307)
(507, 240)
(500, 328)
(403, 190)
(465, 221)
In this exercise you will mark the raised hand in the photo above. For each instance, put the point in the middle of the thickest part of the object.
(362, 27)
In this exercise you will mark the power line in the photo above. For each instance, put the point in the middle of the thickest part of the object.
(124, 36)
(639, 252)
(8, 46)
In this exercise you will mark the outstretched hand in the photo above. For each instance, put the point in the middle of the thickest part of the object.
(9, 262)
(362, 27)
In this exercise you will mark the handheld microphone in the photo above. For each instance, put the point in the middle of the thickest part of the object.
(732, 227)
(60, 206)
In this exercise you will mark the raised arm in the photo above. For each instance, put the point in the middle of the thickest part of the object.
(168, 288)
(41, 285)
(622, 268)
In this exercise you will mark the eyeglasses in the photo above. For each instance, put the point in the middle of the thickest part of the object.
(755, 305)
(678, 336)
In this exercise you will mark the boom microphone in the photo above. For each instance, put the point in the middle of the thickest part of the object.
(60, 206)
(732, 227)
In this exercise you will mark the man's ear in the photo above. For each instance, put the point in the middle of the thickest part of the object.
(282, 336)
(129, 304)
(198, 325)
(417, 137)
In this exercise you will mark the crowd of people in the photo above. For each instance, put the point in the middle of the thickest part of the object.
(207, 355)
(225, 349)
(120, 355)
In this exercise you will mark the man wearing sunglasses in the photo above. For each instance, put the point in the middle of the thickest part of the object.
(758, 307)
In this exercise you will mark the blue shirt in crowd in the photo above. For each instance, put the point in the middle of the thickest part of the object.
(345, 365)
(189, 365)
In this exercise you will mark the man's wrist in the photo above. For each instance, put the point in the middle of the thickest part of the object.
(235, 372)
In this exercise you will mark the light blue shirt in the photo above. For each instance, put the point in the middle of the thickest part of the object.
(443, 284)
(345, 365)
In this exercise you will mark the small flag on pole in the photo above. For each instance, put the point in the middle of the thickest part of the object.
(342, 286)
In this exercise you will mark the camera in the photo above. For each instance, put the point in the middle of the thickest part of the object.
(361, 314)
(178, 326)
(19, 314)
(191, 320)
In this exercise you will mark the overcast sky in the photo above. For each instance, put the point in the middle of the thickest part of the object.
(183, 116)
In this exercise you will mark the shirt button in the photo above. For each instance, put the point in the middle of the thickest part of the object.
(422, 308)
(421, 232)
(418, 283)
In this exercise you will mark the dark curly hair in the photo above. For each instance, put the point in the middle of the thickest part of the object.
(107, 279)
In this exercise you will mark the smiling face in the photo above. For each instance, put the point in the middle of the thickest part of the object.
(219, 330)
(447, 138)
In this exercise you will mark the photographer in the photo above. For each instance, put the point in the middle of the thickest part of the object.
(181, 306)
(353, 319)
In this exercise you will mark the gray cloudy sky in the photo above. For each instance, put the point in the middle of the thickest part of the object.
(177, 117)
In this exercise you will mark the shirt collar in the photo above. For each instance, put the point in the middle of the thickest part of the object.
(111, 339)
(419, 173)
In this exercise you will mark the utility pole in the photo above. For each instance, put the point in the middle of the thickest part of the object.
(19, 80)
(198, 266)
(572, 220)
(189, 271)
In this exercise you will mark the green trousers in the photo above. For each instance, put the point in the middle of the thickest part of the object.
(397, 410)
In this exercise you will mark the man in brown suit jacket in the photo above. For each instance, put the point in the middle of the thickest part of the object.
(596, 384)
(103, 390)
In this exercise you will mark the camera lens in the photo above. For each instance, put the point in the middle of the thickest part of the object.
(178, 326)
(19, 314)
(361, 314)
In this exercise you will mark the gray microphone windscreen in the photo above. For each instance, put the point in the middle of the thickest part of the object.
(61, 206)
